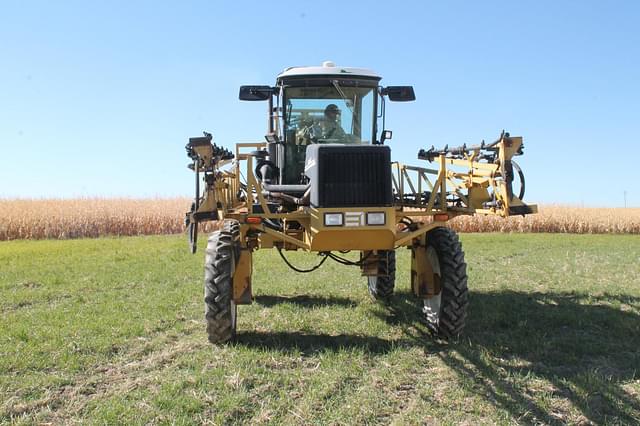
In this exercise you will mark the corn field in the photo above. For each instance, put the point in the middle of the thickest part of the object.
(95, 217)
(558, 219)
(90, 217)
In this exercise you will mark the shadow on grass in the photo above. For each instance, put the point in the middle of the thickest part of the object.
(584, 348)
(305, 301)
(521, 351)
(313, 343)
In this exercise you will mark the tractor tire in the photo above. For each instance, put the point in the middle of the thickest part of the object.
(381, 287)
(234, 228)
(220, 261)
(446, 313)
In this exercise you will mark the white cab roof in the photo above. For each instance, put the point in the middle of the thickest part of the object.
(328, 68)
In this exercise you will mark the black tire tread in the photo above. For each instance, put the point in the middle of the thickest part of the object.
(219, 266)
(455, 293)
(381, 287)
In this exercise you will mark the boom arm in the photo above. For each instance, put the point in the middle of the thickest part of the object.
(207, 159)
(470, 179)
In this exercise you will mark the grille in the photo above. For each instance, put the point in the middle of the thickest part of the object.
(354, 176)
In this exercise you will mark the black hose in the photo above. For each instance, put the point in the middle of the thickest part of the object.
(326, 255)
(348, 262)
(304, 271)
(521, 175)
(269, 224)
(408, 219)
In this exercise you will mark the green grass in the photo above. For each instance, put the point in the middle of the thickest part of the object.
(111, 331)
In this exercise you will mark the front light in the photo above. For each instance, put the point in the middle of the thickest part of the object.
(375, 218)
(333, 219)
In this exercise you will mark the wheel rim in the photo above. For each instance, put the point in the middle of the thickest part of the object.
(431, 306)
(193, 236)
(372, 282)
(234, 316)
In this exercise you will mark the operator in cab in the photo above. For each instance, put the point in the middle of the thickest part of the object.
(330, 126)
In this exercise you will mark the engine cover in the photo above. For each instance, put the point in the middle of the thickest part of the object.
(349, 175)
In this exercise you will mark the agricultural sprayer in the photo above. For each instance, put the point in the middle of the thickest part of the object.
(323, 181)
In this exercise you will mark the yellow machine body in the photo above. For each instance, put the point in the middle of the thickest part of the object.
(473, 182)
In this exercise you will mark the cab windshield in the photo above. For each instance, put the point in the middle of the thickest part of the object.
(329, 114)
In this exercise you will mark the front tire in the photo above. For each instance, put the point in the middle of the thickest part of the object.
(446, 312)
(219, 267)
(381, 287)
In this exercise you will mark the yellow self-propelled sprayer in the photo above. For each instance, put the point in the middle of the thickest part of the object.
(323, 181)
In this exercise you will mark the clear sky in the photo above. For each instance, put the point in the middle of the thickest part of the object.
(99, 98)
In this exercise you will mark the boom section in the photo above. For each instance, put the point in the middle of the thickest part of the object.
(461, 181)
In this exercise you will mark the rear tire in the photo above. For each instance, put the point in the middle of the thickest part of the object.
(446, 313)
(219, 267)
(381, 287)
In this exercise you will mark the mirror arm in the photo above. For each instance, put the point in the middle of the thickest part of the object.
(384, 126)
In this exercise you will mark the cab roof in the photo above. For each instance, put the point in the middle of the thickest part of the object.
(328, 68)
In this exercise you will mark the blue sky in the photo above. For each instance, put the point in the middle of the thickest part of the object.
(99, 98)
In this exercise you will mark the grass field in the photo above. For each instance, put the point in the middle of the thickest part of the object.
(110, 331)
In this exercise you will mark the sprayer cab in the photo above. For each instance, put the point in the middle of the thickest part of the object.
(322, 105)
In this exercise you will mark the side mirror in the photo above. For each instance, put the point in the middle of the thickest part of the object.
(386, 135)
(255, 93)
(399, 93)
(272, 138)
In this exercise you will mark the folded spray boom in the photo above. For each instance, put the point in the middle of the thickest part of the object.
(484, 151)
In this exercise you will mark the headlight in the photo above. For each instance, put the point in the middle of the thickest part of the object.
(333, 219)
(375, 218)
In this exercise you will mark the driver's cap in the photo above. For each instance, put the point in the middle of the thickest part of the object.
(331, 108)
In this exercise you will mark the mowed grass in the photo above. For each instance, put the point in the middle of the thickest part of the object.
(110, 331)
